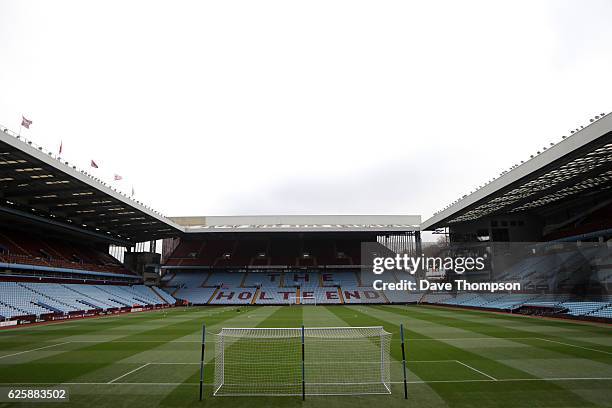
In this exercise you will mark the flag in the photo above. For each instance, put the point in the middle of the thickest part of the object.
(25, 122)
(61, 148)
(93, 164)
(118, 177)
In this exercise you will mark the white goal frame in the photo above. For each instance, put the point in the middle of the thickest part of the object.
(302, 361)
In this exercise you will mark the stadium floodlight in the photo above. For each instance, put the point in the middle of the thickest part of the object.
(302, 361)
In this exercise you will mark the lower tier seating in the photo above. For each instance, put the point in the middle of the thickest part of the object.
(27, 298)
(280, 287)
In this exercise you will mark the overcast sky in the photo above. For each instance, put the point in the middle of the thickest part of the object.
(302, 107)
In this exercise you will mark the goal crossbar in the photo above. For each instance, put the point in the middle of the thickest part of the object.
(302, 361)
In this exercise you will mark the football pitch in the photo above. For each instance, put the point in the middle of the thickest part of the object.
(455, 358)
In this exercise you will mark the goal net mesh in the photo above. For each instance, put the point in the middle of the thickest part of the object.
(337, 361)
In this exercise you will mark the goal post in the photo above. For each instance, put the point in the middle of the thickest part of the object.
(302, 361)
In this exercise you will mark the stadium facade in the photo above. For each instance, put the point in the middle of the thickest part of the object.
(72, 246)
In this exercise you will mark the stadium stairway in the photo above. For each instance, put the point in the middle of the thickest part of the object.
(7, 310)
(168, 280)
(244, 277)
(117, 298)
(206, 279)
(15, 244)
(51, 308)
(213, 296)
(256, 295)
(87, 299)
(91, 305)
(161, 296)
(281, 283)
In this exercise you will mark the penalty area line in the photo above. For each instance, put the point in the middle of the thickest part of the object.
(128, 373)
(36, 349)
(574, 345)
(478, 371)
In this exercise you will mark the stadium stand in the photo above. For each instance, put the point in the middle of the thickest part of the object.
(55, 239)
(29, 249)
(37, 299)
(274, 287)
(233, 296)
(197, 296)
(545, 223)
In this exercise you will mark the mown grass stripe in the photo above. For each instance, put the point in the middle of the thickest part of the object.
(179, 396)
(492, 391)
(499, 331)
(33, 335)
(75, 363)
(584, 327)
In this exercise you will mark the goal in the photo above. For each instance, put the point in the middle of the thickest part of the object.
(302, 361)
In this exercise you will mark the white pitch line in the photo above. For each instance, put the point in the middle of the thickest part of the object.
(508, 380)
(478, 371)
(128, 373)
(573, 345)
(356, 362)
(36, 349)
(473, 338)
(200, 341)
(426, 361)
(174, 384)
(137, 341)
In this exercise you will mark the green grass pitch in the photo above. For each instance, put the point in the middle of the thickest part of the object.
(456, 358)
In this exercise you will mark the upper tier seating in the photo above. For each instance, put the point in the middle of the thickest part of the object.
(280, 252)
(21, 248)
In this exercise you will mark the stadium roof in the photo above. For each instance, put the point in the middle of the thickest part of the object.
(579, 164)
(36, 184)
(301, 223)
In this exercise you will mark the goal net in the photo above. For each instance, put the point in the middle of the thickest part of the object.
(337, 361)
